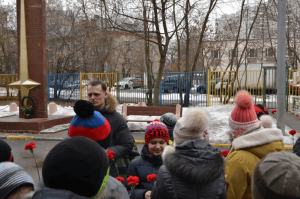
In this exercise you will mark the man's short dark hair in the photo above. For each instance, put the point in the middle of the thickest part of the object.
(97, 82)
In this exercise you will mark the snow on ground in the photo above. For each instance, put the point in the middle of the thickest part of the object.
(217, 129)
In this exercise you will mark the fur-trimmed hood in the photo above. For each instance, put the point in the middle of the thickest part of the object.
(194, 161)
(110, 103)
(257, 138)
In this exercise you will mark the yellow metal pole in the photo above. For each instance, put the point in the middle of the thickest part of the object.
(80, 85)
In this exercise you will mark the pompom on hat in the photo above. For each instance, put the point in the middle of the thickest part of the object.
(243, 118)
(156, 129)
(191, 126)
(5, 152)
(90, 124)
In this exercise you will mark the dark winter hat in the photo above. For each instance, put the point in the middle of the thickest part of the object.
(90, 124)
(260, 110)
(156, 129)
(77, 164)
(12, 178)
(5, 152)
(277, 176)
(169, 119)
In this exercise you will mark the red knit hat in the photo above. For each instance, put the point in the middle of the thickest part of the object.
(156, 129)
(243, 117)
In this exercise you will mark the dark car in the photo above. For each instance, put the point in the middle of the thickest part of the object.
(173, 84)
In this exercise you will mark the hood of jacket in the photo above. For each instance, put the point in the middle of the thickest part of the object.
(110, 103)
(46, 192)
(195, 161)
(155, 160)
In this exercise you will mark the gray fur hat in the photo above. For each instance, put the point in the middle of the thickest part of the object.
(277, 176)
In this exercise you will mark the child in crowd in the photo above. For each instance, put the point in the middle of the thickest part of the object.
(277, 176)
(251, 143)
(6, 154)
(156, 138)
(194, 168)
(169, 119)
(15, 182)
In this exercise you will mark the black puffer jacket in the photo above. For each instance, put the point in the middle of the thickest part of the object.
(297, 147)
(48, 193)
(122, 141)
(142, 167)
(114, 190)
(193, 171)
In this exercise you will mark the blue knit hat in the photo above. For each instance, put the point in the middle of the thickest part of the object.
(90, 124)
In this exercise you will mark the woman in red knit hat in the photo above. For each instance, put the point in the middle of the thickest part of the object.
(251, 142)
(156, 139)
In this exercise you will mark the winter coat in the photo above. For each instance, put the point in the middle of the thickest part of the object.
(114, 189)
(142, 167)
(193, 171)
(297, 147)
(122, 142)
(45, 193)
(249, 150)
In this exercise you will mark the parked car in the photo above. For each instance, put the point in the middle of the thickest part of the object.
(125, 83)
(172, 85)
(60, 84)
(138, 82)
(76, 84)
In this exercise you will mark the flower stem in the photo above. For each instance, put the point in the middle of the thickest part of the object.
(36, 166)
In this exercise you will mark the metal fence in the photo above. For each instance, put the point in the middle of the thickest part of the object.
(204, 88)
(223, 85)
(63, 86)
(185, 88)
(7, 92)
(294, 91)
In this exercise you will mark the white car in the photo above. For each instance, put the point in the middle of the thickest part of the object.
(125, 83)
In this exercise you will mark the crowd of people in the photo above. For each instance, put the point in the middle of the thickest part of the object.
(177, 156)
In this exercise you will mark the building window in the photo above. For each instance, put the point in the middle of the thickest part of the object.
(251, 53)
(270, 52)
(127, 61)
(127, 44)
(215, 54)
(235, 54)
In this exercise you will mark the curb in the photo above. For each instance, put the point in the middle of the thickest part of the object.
(14, 137)
(295, 113)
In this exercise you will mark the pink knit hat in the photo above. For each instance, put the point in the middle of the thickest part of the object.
(243, 118)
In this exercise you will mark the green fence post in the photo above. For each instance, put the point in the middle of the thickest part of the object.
(264, 88)
(117, 88)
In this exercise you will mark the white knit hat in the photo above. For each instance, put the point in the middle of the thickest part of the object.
(191, 126)
(12, 177)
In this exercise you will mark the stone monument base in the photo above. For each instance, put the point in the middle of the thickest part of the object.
(14, 124)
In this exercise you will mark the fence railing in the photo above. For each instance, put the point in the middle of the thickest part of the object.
(294, 90)
(223, 85)
(7, 92)
(204, 88)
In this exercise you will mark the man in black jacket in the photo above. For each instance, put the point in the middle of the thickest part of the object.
(122, 142)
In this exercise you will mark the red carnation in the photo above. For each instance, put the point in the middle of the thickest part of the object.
(274, 111)
(120, 179)
(110, 154)
(292, 132)
(225, 153)
(151, 177)
(30, 146)
(134, 180)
